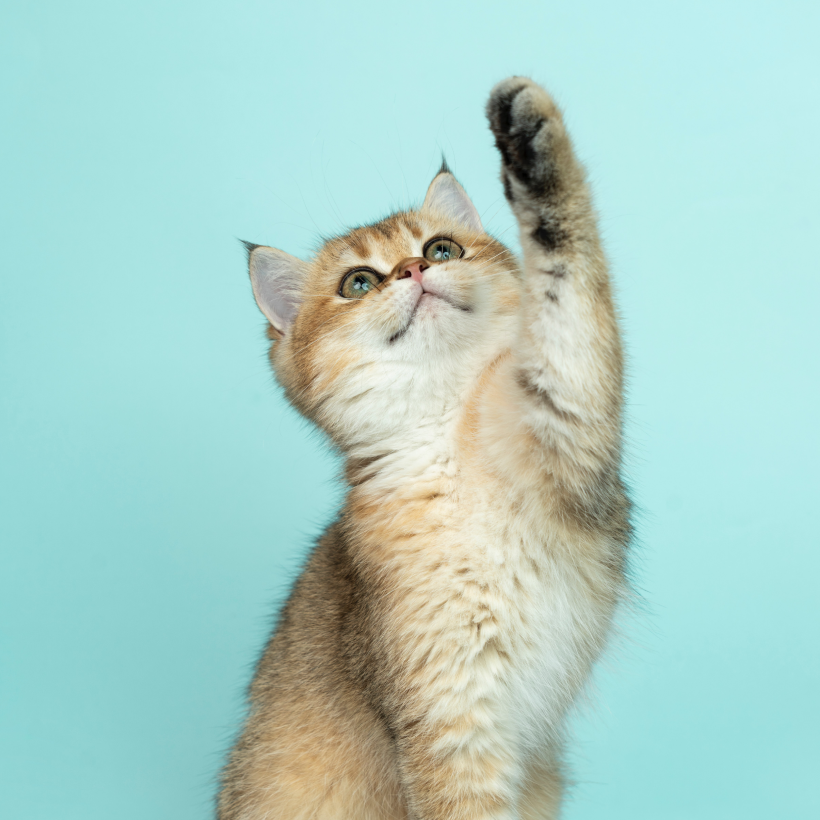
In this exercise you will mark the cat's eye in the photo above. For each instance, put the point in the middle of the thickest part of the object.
(359, 283)
(440, 250)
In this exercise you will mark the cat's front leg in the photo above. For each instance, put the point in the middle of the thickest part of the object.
(567, 371)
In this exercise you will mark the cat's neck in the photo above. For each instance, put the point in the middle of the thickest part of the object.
(410, 454)
(404, 431)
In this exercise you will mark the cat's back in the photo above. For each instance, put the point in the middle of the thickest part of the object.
(310, 721)
(306, 636)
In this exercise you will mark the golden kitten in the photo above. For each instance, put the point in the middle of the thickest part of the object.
(425, 660)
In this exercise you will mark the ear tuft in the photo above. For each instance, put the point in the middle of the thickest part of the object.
(447, 197)
(249, 248)
(277, 279)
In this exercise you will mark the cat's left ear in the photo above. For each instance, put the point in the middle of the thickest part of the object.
(277, 279)
(446, 196)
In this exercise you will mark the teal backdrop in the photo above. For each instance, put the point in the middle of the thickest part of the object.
(157, 494)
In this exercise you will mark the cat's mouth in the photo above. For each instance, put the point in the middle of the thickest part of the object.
(425, 297)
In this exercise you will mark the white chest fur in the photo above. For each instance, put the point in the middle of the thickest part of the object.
(498, 609)
(502, 615)
(545, 619)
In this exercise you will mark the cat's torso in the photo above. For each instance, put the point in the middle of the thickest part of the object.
(493, 596)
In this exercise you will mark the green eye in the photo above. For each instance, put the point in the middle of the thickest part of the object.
(359, 283)
(440, 250)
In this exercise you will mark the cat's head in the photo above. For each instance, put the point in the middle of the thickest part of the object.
(388, 326)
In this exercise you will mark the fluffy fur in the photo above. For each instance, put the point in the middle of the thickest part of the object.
(426, 658)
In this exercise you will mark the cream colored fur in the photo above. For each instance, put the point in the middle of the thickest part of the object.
(426, 659)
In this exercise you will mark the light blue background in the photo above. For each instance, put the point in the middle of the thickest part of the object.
(158, 495)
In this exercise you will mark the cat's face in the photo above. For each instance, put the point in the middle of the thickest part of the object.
(392, 322)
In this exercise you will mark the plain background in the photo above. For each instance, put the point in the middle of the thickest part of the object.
(157, 493)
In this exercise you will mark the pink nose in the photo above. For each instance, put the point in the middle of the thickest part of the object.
(413, 269)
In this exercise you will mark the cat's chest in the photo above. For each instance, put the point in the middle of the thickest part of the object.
(486, 595)
(511, 604)
(542, 591)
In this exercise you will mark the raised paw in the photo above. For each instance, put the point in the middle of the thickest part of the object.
(529, 133)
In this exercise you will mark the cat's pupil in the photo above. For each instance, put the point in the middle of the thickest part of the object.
(442, 253)
(361, 283)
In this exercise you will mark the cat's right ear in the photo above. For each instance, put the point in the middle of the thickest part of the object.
(277, 279)
(446, 196)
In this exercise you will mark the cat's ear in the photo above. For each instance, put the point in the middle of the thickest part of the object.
(277, 279)
(447, 197)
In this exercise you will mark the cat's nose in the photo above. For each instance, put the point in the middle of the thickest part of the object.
(412, 269)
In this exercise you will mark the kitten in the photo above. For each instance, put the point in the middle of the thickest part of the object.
(424, 663)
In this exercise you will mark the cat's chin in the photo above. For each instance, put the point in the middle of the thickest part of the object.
(429, 307)
(430, 304)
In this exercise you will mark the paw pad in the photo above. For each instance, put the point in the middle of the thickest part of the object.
(519, 112)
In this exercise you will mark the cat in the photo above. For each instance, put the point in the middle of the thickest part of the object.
(424, 663)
